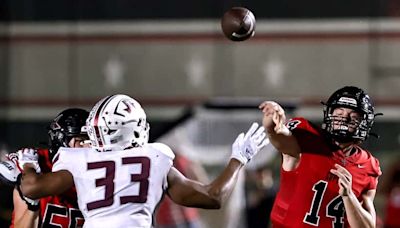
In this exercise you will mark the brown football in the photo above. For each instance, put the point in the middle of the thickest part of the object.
(238, 24)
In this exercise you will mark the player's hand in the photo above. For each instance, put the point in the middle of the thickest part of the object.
(247, 145)
(344, 180)
(274, 116)
(25, 156)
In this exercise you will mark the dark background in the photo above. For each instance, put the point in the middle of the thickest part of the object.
(50, 10)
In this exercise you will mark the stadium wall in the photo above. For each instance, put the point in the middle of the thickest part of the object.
(151, 59)
(46, 67)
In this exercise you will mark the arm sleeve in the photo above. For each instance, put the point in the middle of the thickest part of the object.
(375, 174)
(303, 131)
(373, 183)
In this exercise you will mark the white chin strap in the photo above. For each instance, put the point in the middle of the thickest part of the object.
(86, 142)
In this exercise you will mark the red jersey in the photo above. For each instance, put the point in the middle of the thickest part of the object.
(309, 195)
(57, 211)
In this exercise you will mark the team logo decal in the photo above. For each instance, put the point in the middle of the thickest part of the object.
(123, 107)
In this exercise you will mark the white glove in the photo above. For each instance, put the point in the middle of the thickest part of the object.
(25, 156)
(9, 172)
(20, 158)
(11, 175)
(247, 145)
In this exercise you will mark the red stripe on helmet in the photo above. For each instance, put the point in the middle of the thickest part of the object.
(96, 121)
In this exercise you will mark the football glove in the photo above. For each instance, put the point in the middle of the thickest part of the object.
(247, 145)
(9, 172)
(25, 156)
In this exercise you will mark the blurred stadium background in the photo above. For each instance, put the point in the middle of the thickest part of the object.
(198, 88)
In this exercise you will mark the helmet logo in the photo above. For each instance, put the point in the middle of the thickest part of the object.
(348, 100)
(54, 125)
(128, 107)
(120, 109)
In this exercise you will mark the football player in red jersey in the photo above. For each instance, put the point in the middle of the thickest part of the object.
(327, 179)
(61, 210)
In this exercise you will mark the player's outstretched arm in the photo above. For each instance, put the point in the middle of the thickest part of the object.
(281, 138)
(191, 193)
(23, 218)
(35, 186)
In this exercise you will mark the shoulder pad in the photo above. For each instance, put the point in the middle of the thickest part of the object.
(164, 149)
(58, 154)
(376, 167)
(67, 150)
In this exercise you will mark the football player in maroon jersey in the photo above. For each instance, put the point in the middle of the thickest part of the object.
(327, 179)
(61, 210)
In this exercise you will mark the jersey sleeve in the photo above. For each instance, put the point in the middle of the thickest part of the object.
(169, 155)
(165, 150)
(376, 172)
(308, 136)
(298, 124)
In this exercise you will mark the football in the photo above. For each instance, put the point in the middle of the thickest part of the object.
(238, 24)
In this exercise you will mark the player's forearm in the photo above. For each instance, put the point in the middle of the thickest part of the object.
(283, 140)
(28, 220)
(221, 188)
(285, 143)
(357, 216)
(32, 185)
(22, 216)
(36, 186)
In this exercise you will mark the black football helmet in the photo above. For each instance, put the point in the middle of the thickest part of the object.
(356, 99)
(65, 126)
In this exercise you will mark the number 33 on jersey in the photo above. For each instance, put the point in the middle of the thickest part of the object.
(127, 183)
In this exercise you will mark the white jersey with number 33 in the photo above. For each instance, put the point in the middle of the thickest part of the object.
(118, 188)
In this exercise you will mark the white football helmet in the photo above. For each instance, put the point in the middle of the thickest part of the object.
(117, 122)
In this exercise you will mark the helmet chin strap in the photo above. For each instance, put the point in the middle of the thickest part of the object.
(341, 139)
(349, 149)
(86, 142)
(346, 147)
